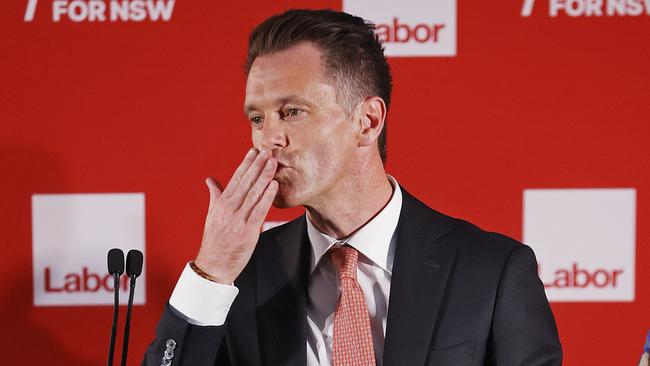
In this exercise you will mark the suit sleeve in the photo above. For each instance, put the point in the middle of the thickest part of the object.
(181, 343)
(191, 330)
(523, 330)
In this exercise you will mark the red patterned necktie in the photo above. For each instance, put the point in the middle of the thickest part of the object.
(352, 336)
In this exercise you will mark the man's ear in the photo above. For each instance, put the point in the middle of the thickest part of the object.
(372, 116)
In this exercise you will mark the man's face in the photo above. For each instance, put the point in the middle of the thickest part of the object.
(294, 111)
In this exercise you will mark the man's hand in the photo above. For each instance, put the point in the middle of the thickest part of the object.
(235, 217)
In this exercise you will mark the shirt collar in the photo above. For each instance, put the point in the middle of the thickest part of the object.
(372, 240)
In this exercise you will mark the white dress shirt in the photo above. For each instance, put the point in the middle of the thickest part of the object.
(203, 302)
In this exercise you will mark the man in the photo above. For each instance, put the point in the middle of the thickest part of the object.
(369, 275)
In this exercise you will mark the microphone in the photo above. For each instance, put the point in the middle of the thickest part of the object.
(133, 269)
(115, 261)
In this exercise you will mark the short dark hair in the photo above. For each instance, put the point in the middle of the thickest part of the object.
(352, 52)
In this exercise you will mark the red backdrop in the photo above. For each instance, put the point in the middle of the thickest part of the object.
(536, 102)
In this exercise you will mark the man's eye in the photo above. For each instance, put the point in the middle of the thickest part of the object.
(293, 112)
(256, 120)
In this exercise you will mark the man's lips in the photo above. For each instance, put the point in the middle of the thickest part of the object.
(281, 171)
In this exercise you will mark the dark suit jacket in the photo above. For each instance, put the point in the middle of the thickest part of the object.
(459, 296)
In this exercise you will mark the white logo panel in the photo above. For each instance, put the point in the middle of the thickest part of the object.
(71, 235)
(412, 27)
(584, 240)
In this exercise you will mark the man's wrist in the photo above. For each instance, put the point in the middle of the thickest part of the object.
(200, 272)
(202, 301)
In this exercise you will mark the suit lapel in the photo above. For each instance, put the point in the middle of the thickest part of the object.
(281, 296)
(421, 268)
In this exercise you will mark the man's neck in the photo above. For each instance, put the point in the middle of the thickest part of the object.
(351, 204)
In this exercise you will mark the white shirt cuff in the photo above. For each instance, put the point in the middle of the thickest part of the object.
(201, 301)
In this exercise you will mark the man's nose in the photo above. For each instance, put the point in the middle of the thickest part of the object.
(274, 135)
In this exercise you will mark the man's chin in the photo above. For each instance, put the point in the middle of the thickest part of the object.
(284, 200)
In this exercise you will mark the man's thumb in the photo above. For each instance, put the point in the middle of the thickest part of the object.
(214, 187)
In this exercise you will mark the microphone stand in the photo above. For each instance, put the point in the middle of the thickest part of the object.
(133, 270)
(116, 310)
(115, 261)
(127, 325)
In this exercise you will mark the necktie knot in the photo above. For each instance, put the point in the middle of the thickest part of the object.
(345, 260)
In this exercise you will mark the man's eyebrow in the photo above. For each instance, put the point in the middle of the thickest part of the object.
(280, 101)
(248, 108)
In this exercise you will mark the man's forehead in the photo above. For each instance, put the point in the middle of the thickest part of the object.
(289, 75)
(251, 105)
(302, 60)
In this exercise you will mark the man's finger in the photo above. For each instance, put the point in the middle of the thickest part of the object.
(249, 158)
(256, 192)
(263, 206)
(247, 181)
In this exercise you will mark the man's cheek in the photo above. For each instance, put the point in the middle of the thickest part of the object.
(256, 139)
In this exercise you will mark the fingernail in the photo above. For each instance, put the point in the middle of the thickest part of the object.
(251, 151)
(264, 153)
(269, 165)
